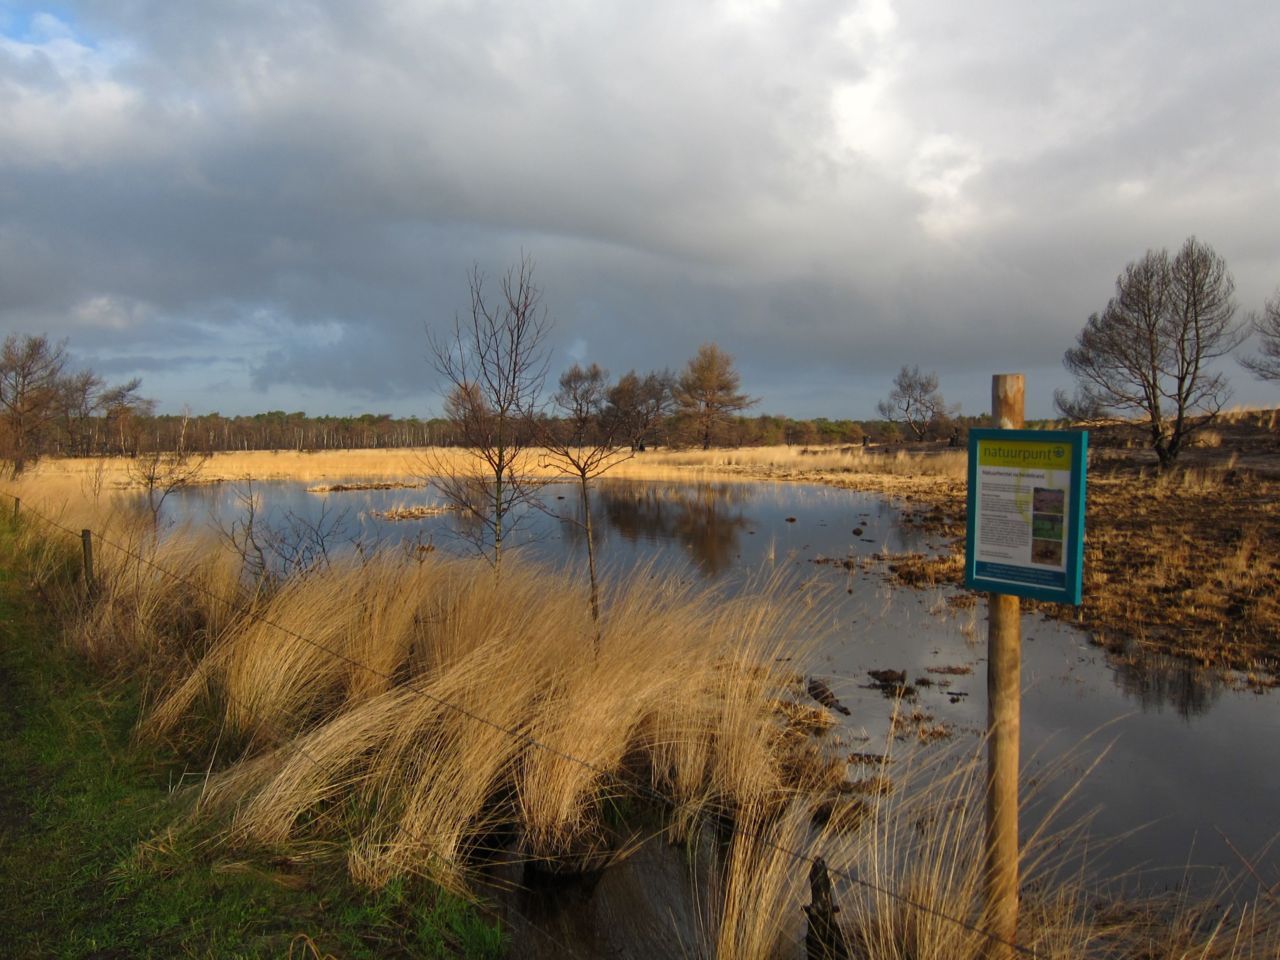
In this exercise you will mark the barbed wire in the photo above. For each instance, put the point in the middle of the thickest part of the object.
(647, 791)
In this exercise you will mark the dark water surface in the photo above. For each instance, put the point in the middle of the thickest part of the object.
(1187, 766)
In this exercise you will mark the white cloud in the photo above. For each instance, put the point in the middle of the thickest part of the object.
(60, 102)
(868, 26)
(110, 312)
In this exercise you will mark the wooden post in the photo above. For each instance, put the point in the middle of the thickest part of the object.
(86, 539)
(1004, 708)
(823, 940)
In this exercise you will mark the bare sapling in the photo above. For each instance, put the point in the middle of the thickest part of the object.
(161, 472)
(244, 535)
(1265, 365)
(493, 364)
(288, 546)
(581, 443)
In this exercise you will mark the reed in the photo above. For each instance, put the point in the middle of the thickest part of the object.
(783, 460)
(409, 708)
(908, 884)
(407, 465)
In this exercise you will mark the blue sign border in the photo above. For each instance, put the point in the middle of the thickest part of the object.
(1069, 587)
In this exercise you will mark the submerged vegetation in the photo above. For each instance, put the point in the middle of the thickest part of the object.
(416, 719)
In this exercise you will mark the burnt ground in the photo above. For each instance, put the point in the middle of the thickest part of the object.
(1185, 562)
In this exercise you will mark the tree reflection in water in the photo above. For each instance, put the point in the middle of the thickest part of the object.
(1157, 681)
(706, 518)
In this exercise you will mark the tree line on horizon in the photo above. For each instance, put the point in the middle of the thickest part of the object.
(1145, 355)
(47, 408)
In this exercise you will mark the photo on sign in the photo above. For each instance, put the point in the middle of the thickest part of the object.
(1047, 552)
(1048, 500)
(1046, 526)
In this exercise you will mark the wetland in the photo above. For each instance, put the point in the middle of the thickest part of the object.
(1174, 764)
(785, 661)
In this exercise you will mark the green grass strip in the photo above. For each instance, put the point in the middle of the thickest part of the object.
(97, 861)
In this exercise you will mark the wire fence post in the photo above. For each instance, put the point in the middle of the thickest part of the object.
(86, 539)
(1004, 708)
(823, 940)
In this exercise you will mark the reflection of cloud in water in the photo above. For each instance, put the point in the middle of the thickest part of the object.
(706, 518)
(1157, 681)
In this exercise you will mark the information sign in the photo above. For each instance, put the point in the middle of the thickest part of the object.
(1026, 513)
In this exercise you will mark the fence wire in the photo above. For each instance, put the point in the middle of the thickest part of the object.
(644, 790)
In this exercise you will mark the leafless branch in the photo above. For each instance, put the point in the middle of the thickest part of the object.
(494, 363)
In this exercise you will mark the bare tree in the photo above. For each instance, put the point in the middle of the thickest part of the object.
(287, 547)
(1149, 351)
(84, 399)
(707, 391)
(581, 443)
(30, 388)
(45, 409)
(162, 472)
(637, 406)
(1080, 407)
(914, 401)
(1266, 365)
(494, 362)
(78, 404)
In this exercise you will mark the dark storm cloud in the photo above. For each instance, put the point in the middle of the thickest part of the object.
(287, 193)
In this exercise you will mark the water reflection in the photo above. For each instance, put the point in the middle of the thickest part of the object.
(1157, 681)
(712, 529)
(1182, 741)
(706, 518)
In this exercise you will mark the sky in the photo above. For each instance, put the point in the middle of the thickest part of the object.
(260, 206)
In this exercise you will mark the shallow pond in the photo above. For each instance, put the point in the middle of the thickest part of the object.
(1187, 770)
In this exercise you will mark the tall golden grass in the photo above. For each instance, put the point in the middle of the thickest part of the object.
(793, 460)
(399, 464)
(1264, 417)
(414, 692)
(413, 712)
(909, 885)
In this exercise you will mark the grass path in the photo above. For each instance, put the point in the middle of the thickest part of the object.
(94, 862)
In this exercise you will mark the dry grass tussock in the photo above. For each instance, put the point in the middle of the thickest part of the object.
(929, 847)
(678, 707)
(414, 709)
(451, 713)
(914, 869)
